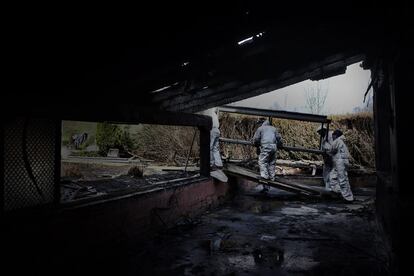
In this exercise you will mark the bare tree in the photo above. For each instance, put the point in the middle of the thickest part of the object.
(316, 98)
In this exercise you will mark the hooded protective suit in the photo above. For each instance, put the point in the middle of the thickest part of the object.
(215, 158)
(327, 172)
(340, 158)
(267, 137)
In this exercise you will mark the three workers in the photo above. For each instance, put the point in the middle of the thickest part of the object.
(267, 139)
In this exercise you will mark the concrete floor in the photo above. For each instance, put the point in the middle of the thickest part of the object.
(274, 234)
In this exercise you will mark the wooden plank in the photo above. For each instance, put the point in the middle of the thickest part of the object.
(287, 148)
(288, 163)
(290, 187)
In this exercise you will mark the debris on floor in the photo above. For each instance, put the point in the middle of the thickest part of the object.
(260, 235)
(83, 189)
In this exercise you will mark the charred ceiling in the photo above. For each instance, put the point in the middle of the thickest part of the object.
(188, 59)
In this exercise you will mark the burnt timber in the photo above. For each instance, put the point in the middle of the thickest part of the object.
(185, 58)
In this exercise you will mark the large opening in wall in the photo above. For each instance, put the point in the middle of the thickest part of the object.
(107, 159)
(346, 101)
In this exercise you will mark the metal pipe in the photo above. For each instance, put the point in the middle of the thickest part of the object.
(189, 152)
(235, 141)
(275, 114)
(287, 148)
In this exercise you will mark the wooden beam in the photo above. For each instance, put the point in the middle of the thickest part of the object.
(125, 113)
(287, 148)
(275, 113)
(290, 187)
(237, 90)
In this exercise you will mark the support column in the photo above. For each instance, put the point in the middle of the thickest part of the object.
(204, 151)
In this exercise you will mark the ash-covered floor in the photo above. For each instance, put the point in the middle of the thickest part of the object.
(274, 234)
(76, 190)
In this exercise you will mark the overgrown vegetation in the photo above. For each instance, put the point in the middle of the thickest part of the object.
(170, 144)
(113, 136)
(294, 133)
(359, 133)
(357, 129)
(166, 144)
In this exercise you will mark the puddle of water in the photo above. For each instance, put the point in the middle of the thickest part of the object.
(264, 206)
(242, 261)
(271, 219)
(256, 209)
(299, 211)
(354, 207)
(267, 238)
(300, 263)
(268, 256)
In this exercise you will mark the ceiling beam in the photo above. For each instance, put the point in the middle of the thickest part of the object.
(237, 90)
(275, 114)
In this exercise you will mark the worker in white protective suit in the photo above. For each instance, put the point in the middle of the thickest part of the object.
(327, 173)
(268, 138)
(340, 158)
(215, 157)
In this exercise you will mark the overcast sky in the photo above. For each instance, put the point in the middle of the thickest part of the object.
(345, 92)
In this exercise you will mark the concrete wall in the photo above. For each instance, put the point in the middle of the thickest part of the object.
(51, 238)
(137, 216)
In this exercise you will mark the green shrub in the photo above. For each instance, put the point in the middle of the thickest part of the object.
(113, 136)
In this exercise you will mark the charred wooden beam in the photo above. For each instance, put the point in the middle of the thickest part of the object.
(235, 90)
(278, 184)
(275, 114)
(287, 148)
(119, 113)
(287, 163)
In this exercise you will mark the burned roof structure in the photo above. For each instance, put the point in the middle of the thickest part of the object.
(186, 58)
(152, 64)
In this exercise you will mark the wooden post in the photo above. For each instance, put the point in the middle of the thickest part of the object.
(204, 151)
